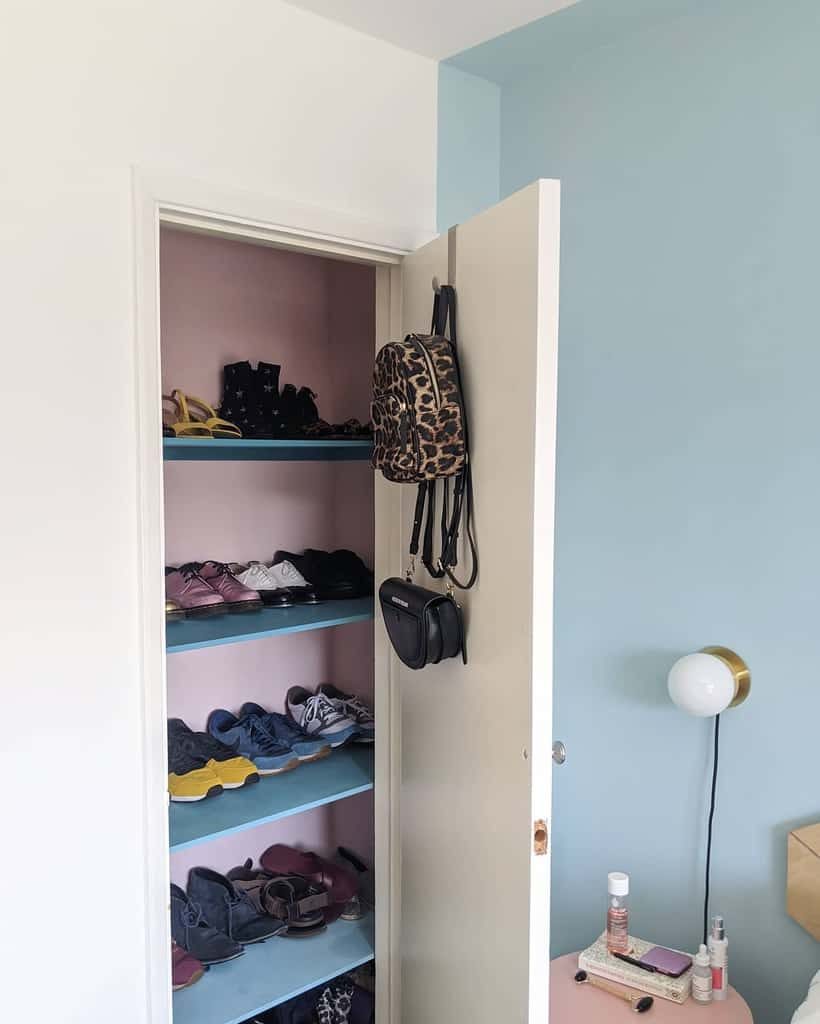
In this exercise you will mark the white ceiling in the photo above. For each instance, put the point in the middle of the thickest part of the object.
(434, 28)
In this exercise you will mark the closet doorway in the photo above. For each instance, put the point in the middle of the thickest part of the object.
(307, 312)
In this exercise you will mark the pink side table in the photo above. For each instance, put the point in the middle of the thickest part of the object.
(571, 1003)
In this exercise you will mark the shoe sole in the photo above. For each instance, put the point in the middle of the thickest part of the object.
(318, 756)
(243, 606)
(303, 933)
(271, 603)
(279, 771)
(264, 938)
(202, 611)
(249, 781)
(213, 791)
(191, 981)
(224, 960)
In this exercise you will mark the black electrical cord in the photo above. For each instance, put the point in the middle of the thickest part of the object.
(709, 839)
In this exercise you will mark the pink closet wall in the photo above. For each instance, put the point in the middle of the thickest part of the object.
(223, 301)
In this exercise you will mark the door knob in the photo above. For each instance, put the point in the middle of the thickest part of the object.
(559, 752)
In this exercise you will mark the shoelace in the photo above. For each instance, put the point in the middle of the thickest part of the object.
(190, 571)
(259, 735)
(221, 569)
(356, 709)
(318, 708)
(191, 914)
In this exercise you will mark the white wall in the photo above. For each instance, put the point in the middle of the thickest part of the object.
(255, 96)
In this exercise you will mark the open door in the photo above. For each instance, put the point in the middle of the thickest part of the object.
(475, 792)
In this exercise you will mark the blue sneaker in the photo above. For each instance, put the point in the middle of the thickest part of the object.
(281, 728)
(249, 737)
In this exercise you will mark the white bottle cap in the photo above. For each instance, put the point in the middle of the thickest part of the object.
(702, 956)
(618, 883)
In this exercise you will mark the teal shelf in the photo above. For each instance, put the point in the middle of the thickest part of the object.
(344, 773)
(246, 449)
(215, 630)
(272, 972)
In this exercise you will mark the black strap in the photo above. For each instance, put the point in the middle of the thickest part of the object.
(461, 509)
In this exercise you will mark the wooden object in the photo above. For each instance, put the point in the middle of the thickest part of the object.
(571, 1003)
(803, 878)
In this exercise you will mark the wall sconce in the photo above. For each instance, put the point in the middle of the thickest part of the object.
(709, 682)
(705, 684)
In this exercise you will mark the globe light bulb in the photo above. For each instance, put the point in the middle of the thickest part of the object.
(707, 683)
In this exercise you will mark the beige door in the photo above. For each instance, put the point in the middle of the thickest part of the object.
(473, 935)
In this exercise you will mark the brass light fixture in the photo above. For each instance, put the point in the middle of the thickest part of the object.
(709, 682)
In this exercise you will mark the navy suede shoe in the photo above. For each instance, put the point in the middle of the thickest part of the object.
(196, 935)
(230, 909)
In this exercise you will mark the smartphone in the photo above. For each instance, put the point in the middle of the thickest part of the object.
(666, 961)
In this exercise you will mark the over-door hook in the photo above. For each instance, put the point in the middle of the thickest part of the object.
(436, 286)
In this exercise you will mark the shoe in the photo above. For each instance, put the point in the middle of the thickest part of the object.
(314, 714)
(293, 582)
(229, 909)
(173, 611)
(191, 931)
(335, 575)
(282, 728)
(294, 901)
(237, 598)
(249, 737)
(186, 970)
(350, 705)
(190, 591)
(189, 779)
(341, 885)
(364, 876)
(258, 577)
(231, 770)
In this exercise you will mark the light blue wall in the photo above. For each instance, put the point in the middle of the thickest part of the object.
(689, 454)
(469, 139)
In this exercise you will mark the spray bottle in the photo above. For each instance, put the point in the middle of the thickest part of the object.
(719, 959)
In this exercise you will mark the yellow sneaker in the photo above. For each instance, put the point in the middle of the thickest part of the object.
(234, 772)
(194, 784)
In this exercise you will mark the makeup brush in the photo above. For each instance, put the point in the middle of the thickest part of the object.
(640, 1004)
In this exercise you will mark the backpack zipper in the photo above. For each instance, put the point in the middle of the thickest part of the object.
(431, 370)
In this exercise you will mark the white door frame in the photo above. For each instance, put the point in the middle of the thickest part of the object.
(267, 220)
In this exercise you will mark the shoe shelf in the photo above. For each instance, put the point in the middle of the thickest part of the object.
(212, 631)
(274, 971)
(246, 449)
(344, 773)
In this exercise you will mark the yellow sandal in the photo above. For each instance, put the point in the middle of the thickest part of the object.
(217, 426)
(178, 420)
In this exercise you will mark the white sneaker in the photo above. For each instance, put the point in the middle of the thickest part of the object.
(288, 577)
(266, 585)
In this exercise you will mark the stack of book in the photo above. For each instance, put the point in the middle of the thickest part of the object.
(596, 960)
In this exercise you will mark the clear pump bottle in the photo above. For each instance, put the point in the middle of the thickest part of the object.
(617, 915)
(702, 976)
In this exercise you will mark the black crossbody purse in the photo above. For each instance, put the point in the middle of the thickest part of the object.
(424, 626)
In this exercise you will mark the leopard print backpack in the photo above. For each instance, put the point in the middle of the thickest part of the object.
(418, 410)
(420, 433)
